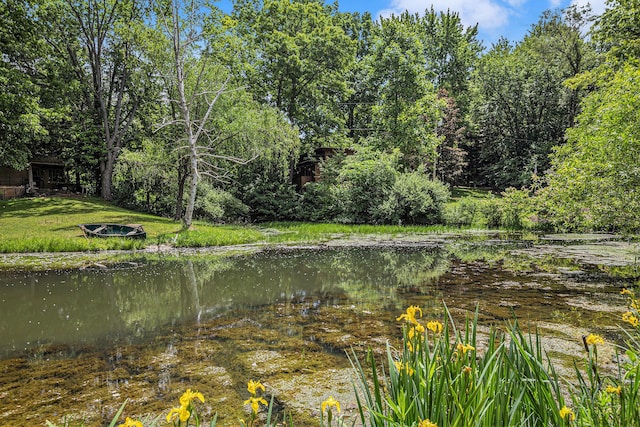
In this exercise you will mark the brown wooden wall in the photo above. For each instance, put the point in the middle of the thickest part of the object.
(11, 177)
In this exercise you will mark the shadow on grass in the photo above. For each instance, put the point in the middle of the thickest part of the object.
(28, 207)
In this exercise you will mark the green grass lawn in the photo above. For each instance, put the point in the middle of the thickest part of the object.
(50, 224)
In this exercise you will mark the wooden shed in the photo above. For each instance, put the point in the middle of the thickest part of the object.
(43, 174)
(308, 168)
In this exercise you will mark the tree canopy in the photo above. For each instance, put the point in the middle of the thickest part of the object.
(234, 105)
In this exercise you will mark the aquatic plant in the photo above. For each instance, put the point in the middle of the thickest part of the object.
(611, 400)
(254, 401)
(326, 407)
(440, 378)
(443, 376)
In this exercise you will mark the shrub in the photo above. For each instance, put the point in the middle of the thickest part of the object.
(363, 184)
(271, 200)
(515, 210)
(466, 212)
(319, 202)
(418, 199)
(215, 205)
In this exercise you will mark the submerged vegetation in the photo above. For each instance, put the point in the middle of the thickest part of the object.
(444, 375)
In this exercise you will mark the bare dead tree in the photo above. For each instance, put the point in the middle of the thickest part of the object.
(196, 93)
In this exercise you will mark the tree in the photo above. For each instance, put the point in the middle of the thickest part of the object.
(451, 158)
(407, 109)
(451, 52)
(299, 58)
(521, 107)
(193, 82)
(595, 177)
(99, 41)
(617, 30)
(362, 96)
(217, 123)
(20, 111)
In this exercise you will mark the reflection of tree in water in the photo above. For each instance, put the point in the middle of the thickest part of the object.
(161, 293)
(92, 306)
(363, 276)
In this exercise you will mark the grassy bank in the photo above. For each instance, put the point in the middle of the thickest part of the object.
(51, 225)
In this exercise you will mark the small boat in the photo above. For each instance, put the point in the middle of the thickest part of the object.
(134, 231)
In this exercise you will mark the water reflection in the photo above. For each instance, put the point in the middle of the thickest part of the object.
(129, 304)
(81, 341)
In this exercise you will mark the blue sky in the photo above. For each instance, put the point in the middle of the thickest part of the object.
(495, 18)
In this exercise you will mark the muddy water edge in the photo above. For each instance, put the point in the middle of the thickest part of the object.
(76, 343)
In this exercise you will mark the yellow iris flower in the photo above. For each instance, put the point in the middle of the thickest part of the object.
(630, 318)
(188, 396)
(253, 387)
(255, 403)
(410, 315)
(130, 423)
(612, 389)
(181, 413)
(594, 339)
(567, 414)
(403, 367)
(415, 331)
(434, 326)
(463, 348)
(427, 423)
(330, 402)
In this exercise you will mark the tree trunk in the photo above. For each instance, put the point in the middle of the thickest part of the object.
(193, 186)
(182, 179)
(106, 172)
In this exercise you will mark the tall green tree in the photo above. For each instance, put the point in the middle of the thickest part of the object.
(595, 177)
(20, 110)
(362, 96)
(99, 40)
(521, 106)
(299, 57)
(407, 110)
(451, 52)
(617, 31)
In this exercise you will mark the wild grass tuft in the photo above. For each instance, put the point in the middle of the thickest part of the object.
(440, 377)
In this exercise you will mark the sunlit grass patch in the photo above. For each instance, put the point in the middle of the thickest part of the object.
(50, 224)
(203, 235)
(477, 193)
(60, 244)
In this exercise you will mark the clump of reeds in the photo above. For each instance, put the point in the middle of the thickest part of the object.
(440, 378)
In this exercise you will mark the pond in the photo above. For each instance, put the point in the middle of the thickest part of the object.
(78, 343)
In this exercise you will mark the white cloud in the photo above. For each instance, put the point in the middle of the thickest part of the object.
(597, 6)
(554, 3)
(488, 14)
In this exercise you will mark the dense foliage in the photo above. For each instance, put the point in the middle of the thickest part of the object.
(147, 101)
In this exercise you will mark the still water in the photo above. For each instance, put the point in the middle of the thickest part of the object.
(78, 343)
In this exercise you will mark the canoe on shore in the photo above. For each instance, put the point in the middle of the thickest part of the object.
(134, 231)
